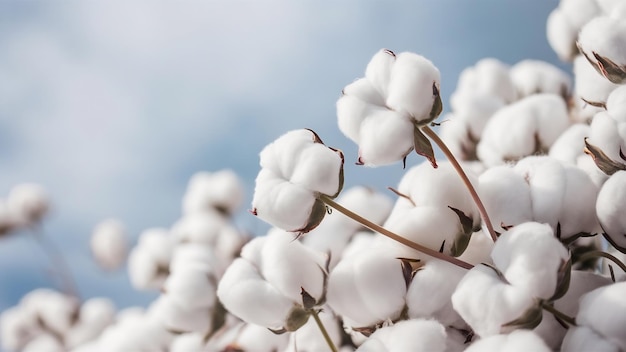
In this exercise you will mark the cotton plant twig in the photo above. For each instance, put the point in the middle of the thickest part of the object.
(558, 314)
(596, 254)
(377, 228)
(446, 151)
(322, 328)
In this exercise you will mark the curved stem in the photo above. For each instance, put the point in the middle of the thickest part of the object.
(58, 262)
(322, 328)
(596, 254)
(558, 314)
(481, 208)
(377, 228)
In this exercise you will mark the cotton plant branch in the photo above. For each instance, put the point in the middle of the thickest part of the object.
(58, 262)
(322, 328)
(597, 254)
(446, 151)
(377, 228)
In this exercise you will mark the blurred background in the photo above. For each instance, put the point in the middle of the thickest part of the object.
(113, 105)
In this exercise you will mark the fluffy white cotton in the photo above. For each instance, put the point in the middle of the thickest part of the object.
(250, 337)
(135, 331)
(583, 339)
(191, 288)
(295, 169)
(367, 288)
(408, 335)
(44, 342)
(526, 127)
(94, 316)
(177, 318)
(609, 136)
(488, 78)
(565, 22)
(570, 144)
(379, 112)
(264, 286)
(603, 42)
(616, 104)
(590, 89)
(610, 208)
(29, 202)
(604, 311)
(530, 257)
(221, 191)
(188, 342)
(17, 328)
(516, 341)
(487, 303)
(310, 338)
(148, 262)
(109, 244)
(55, 310)
(430, 292)
(534, 76)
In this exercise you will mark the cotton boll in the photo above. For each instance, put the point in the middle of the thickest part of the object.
(608, 135)
(56, 311)
(506, 197)
(616, 104)
(604, 311)
(565, 22)
(181, 318)
(149, 261)
(244, 293)
(430, 290)
(516, 341)
(195, 256)
(136, 332)
(610, 209)
(589, 85)
(578, 212)
(378, 70)
(251, 337)
(29, 202)
(583, 339)
(192, 288)
(318, 170)
(188, 342)
(17, 327)
(409, 335)
(534, 76)
(570, 144)
(367, 288)
(530, 258)
(488, 77)
(109, 244)
(359, 99)
(487, 303)
(94, 316)
(310, 338)
(386, 137)
(414, 87)
(479, 249)
(603, 42)
(221, 190)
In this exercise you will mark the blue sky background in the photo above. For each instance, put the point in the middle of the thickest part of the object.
(113, 105)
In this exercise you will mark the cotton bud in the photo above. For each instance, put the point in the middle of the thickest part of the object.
(430, 290)
(434, 209)
(603, 42)
(565, 22)
(534, 77)
(310, 338)
(148, 262)
(29, 202)
(487, 79)
(409, 335)
(517, 341)
(296, 169)
(382, 112)
(268, 285)
(606, 143)
(529, 126)
(109, 244)
(211, 191)
(610, 208)
(367, 288)
(603, 310)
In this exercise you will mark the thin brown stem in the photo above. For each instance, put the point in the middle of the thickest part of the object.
(383, 231)
(596, 254)
(58, 262)
(558, 314)
(481, 208)
(322, 328)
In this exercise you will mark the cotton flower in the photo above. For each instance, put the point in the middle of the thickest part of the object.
(527, 127)
(148, 262)
(295, 170)
(367, 288)
(383, 111)
(266, 285)
(610, 208)
(565, 22)
(109, 244)
(603, 42)
(29, 202)
(211, 191)
(534, 77)
(409, 335)
(516, 341)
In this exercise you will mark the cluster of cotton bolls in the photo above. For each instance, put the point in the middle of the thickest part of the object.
(25, 206)
(516, 242)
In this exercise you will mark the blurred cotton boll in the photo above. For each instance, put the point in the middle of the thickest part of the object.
(517, 341)
(109, 244)
(409, 335)
(29, 202)
(221, 191)
(149, 261)
(610, 207)
(565, 22)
